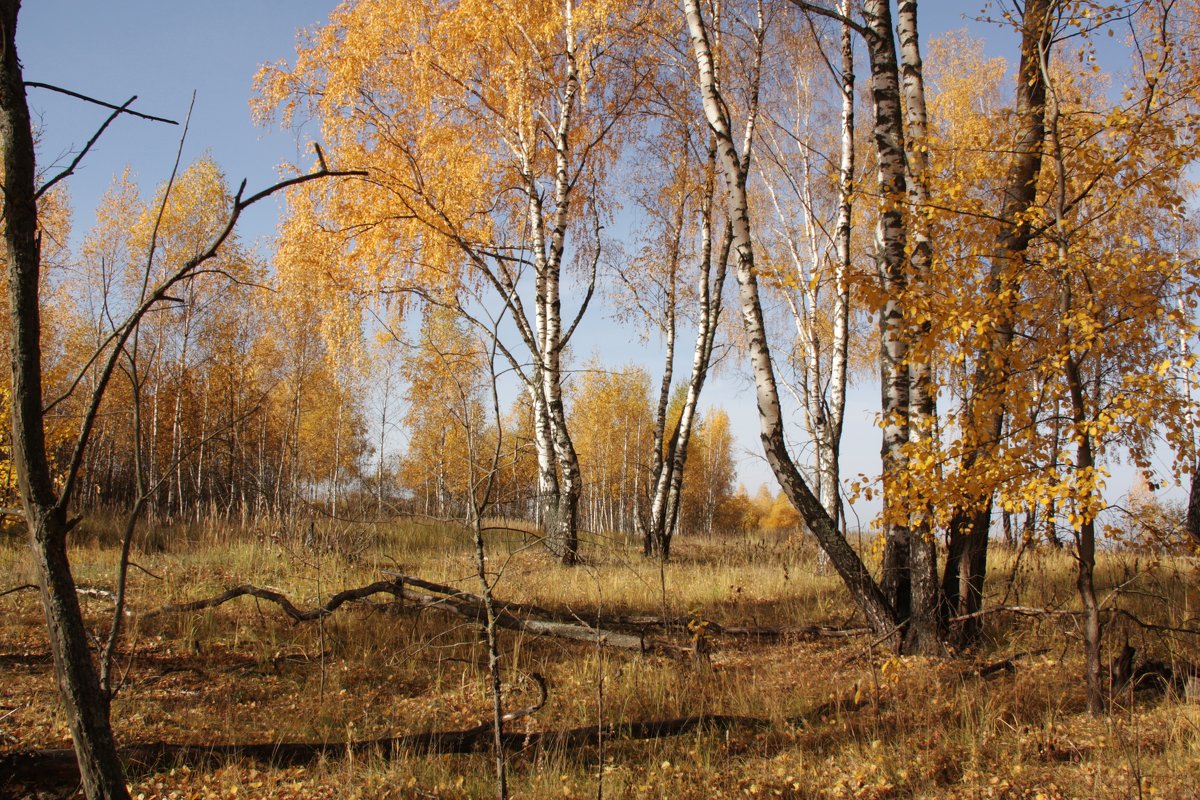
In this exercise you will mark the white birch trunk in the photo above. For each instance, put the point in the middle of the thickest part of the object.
(890, 265)
(922, 635)
(858, 580)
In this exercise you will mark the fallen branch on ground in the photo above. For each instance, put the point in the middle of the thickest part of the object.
(442, 598)
(1033, 611)
(621, 632)
(281, 600)
(640, 624)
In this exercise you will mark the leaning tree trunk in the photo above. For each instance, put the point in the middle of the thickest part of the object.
(86, 706)
(845, 560)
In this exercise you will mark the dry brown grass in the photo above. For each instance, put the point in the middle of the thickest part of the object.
(923, 728)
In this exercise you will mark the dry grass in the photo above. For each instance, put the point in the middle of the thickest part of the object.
(922, 728)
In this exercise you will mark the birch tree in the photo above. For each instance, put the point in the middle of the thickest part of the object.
(692, 232)
(487, 128)
(734, 162)
(812, 195)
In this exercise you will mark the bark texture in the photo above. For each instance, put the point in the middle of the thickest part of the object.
(891, 240)
(923, 634)
(86, 706)
(849, 566)
(983, 426)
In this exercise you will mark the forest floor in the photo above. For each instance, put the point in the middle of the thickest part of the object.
(836, 717)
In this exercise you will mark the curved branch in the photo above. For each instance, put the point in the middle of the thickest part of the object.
(858, 28)
(393, 588)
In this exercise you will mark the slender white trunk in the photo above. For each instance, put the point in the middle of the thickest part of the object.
(836, 410)
(855, 575)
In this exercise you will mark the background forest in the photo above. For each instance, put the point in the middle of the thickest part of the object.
(525, 238)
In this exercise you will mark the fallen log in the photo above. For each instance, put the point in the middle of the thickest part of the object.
(510, 616)
(281, 600)
(42, 769)
(640, 624)
(621, 632)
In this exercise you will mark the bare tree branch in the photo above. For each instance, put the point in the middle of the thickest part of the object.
(119, 109)
(70, 170)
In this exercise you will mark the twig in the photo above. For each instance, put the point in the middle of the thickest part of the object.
(143, 569)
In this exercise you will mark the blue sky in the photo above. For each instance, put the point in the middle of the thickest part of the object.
(162, 51)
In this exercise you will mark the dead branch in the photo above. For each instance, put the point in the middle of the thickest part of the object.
(146, 571)
(639, 624)
(1030, 611)
(1003, 665)
(121, 109)
(82, 154)
(439, 598)
(527, 711)
(621, 632)
(280, 599)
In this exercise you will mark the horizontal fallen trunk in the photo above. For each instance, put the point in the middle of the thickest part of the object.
(621, 632)
(280, 599)
(46, 768)
(438, 597)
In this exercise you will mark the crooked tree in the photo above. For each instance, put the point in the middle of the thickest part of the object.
(46, 496)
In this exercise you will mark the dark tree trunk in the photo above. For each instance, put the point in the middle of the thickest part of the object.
(966, 566)
(1193, 509)
(966, 561)
(86, 706)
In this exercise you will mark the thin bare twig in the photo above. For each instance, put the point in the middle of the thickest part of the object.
(70, 170)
